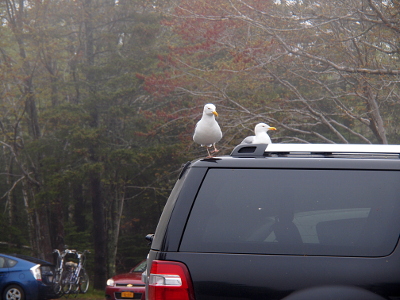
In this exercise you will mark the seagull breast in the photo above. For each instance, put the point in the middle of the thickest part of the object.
(207, 131)
(261, 136)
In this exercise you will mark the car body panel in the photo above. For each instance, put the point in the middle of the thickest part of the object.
(247, 275)
(240, 277)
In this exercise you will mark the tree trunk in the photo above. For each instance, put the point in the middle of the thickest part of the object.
(99, 234)
(113, 232)
(25, 193)
(79, 207)
(377, 125)
(100, 243)
(57, 224)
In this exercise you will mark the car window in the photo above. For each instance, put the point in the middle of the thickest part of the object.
(299, 212)
(141, 267)
(11, 262)
(6, 262)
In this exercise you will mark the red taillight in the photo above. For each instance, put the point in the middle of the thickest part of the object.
(169, 280)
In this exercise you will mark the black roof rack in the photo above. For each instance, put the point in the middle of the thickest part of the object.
(261, 150)
(249, 150)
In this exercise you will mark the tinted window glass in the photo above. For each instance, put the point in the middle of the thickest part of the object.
(11, 262)
(300, 212)
(141, 267)
(7, 262)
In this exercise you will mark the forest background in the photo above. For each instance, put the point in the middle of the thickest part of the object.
(99, 99)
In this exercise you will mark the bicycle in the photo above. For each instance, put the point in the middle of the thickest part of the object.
(75, 278)
(59, 268)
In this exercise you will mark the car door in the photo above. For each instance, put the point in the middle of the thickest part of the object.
(3, 271)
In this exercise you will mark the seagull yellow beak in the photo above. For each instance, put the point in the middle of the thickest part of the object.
(272, 128)
(215, 113)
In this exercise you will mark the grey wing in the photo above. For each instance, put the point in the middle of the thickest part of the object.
(195, 130)
(248, 140)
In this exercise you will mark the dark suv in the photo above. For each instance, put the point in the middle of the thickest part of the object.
(282, 221)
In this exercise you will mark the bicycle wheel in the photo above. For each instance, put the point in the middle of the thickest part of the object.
(83, 281)
(74, 285)
(66, 282)
(57, 283)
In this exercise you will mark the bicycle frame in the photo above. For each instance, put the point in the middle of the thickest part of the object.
(75, 269)
(59, 269)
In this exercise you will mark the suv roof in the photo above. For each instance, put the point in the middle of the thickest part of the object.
(299, 156)
(321, 149)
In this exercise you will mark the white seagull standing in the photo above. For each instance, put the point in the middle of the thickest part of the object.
(261, 136)
(207, 131)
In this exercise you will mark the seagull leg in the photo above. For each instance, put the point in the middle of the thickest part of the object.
(208, 151)
(215, 149)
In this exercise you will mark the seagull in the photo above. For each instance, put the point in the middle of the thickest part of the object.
(207, 131)
(261, 136)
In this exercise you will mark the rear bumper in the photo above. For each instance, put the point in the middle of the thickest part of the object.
(46, 291)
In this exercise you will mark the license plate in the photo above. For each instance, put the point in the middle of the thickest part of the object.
(127, 295)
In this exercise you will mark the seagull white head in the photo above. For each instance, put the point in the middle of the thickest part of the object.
(262, 127)
(210, 109)
(261, 136)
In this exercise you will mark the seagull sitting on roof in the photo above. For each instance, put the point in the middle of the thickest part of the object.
(207, 131)
(261, 136)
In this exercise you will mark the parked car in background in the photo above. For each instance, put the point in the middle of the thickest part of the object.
(127, 285)
(25, 278)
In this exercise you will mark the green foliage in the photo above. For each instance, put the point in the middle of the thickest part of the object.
(91, 117)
